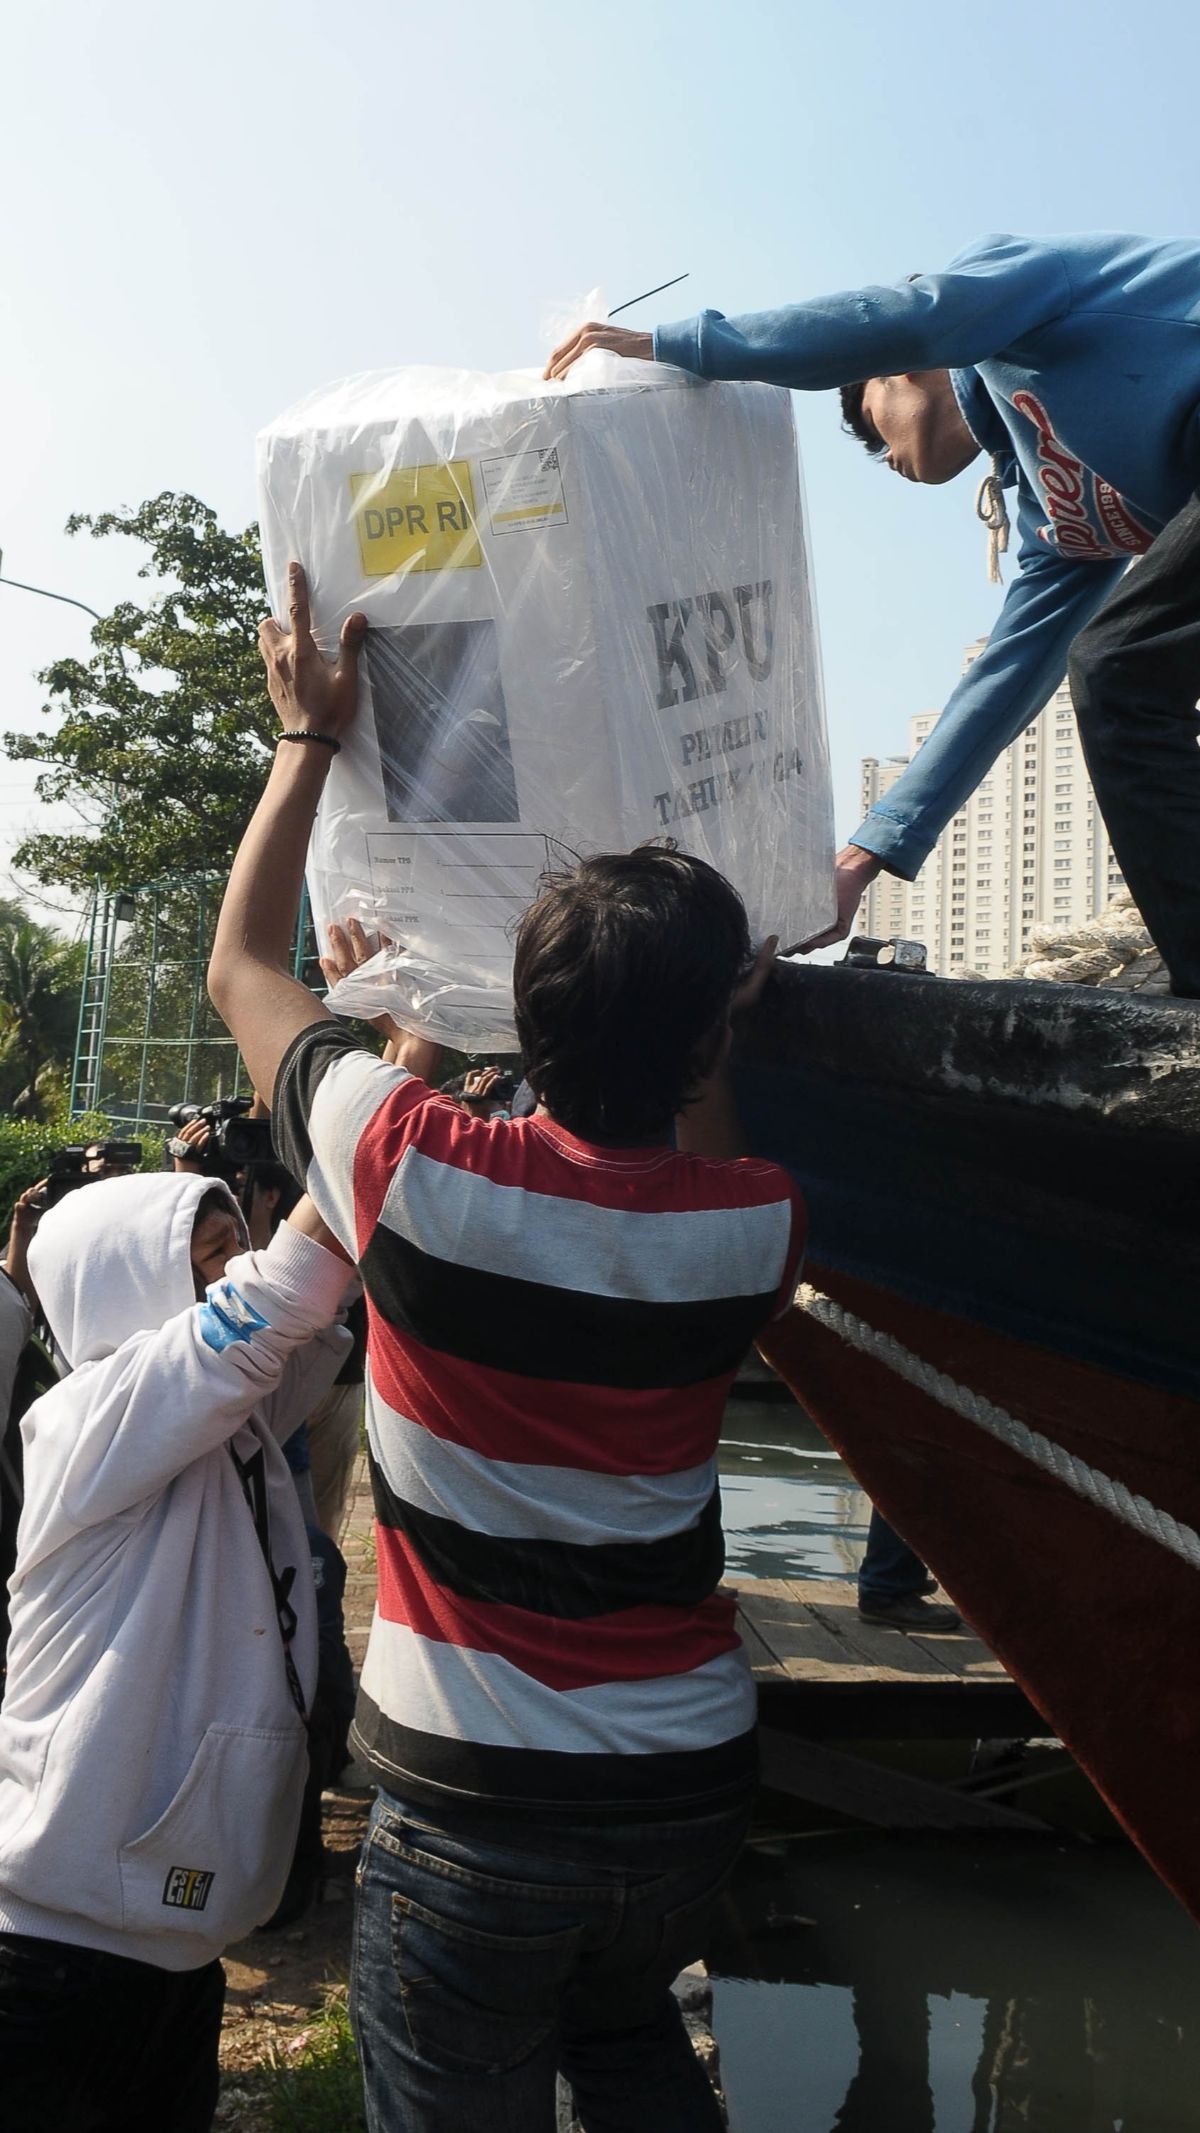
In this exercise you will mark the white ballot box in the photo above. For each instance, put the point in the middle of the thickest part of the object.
(591, 623)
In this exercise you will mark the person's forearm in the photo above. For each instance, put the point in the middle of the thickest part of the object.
(258, 915)
(987, 298)
(249, 979)
(16, 1266)
(1003, 691)
(219, 1358)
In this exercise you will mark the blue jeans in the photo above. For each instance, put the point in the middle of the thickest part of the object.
(889, 1570)
(488, 1956)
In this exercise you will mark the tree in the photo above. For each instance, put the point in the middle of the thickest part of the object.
(40, 979)
(163, 734)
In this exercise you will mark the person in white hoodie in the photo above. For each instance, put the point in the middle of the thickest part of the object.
(163, 1645)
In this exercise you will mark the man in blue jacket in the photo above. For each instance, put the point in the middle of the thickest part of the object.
(1074, 363)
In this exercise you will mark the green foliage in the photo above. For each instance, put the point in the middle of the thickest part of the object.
(40, 980)
(318, 2089)
(27, 1145)
(161, 737)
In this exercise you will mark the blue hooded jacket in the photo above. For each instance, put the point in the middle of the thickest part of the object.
(1076, 364)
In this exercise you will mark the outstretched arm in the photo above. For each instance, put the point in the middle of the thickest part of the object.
(995, 291)
(1025, 658)
(248, 976)
(165, 1399)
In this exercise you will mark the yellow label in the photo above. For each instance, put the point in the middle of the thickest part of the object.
(416, 518)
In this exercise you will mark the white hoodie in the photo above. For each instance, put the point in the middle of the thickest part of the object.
(152, 1754)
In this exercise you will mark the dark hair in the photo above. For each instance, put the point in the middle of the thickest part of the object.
(268, 1175)
(855, 423)
(213, 1202)
(623, 968)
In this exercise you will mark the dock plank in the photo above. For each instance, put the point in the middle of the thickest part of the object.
(958, 1652)
(886, 1651)
(808, 1633)
(801, 1645)
(875, 1792)
(764, 1663)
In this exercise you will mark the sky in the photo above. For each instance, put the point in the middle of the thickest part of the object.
(209, 212)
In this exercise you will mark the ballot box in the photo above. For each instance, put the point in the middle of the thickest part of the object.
(591, 624)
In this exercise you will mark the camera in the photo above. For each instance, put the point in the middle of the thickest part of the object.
(233, 1139)
(71, 1167)
(503, 1089)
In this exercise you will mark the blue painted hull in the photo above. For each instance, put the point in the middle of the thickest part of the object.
(1024, 1156)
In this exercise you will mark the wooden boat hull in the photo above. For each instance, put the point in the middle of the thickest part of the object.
(1003, 1181)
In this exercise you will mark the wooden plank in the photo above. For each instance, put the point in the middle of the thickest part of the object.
(763, 1662)
(844, 1711)
(965, 1654)
(872, 1792)
(807, 1634)
(799, 1641)
(887, 1652)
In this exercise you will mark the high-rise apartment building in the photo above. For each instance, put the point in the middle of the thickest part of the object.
(1028, 848)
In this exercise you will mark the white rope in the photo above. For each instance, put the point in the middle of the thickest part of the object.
(1089, 954)
(992, 511)
(1083, 1480)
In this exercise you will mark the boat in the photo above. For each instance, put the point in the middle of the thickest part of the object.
(997, 1328)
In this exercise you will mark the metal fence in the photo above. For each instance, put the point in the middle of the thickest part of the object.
(148, 1035)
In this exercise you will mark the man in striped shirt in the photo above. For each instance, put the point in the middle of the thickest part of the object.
(554, 1701)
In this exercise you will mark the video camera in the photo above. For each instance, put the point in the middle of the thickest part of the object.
(72, 1167)
(233, 1139)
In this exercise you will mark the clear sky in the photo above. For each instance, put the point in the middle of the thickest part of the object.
(208, 211)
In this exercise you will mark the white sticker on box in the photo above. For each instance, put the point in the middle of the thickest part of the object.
(524, 491)
(465, 887)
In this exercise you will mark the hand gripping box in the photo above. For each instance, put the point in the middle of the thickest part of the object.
(591, 623)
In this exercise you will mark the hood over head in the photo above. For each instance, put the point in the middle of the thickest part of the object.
(114, 1259)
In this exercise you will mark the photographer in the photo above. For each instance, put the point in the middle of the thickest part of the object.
(487, 1092)
(111, 1159)
(222, 1138)
(83, 1164)
(193, 1136)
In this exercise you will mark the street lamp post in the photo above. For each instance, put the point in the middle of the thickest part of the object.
(44, 593)
(90, 1026)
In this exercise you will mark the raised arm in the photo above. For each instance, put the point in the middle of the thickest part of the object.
(249, 980)
(163, 1401)
(996, 291)
(21, 1233)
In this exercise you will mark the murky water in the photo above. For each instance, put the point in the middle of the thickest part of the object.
(869, 1983)
(789, 1506)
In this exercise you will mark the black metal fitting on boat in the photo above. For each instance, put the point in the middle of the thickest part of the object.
(864, 952)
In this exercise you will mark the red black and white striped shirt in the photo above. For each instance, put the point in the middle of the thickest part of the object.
(553, 1330)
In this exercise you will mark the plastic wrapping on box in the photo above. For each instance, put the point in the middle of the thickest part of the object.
(591, 623)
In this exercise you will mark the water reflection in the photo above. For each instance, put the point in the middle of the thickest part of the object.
(953, 1987)
(944, 1986)
(790, 1509)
